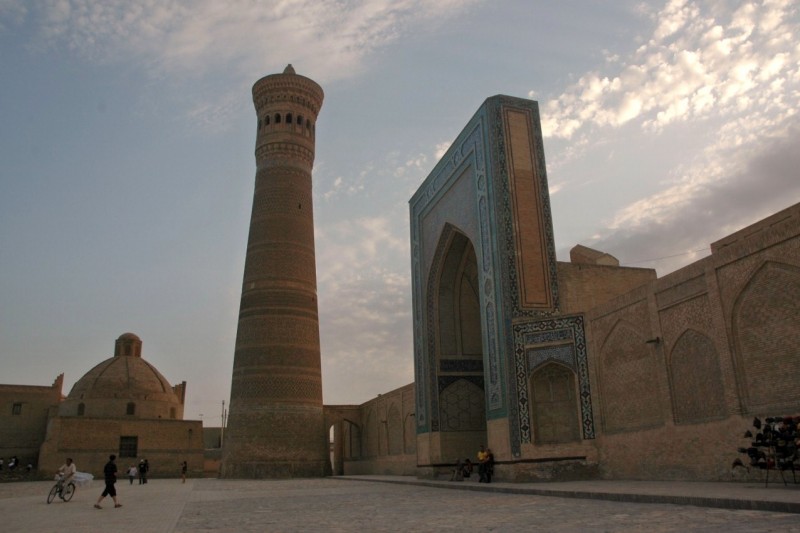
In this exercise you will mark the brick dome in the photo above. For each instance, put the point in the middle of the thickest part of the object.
(124, 385)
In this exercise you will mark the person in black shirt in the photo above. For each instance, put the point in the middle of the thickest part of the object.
(110, 475)
(144, 467)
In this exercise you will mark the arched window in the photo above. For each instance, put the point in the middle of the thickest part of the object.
(131, 410)
(81, 409)
(266, 120)
(289, 118)
(277, 118)
(299, 120)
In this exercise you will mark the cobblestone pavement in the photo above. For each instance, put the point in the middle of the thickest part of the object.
(348, 505)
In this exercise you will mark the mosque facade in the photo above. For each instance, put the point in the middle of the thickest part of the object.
(565, 369)
(579, 369)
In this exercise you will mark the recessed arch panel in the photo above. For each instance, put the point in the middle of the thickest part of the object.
(696, 385)
(554, 404)
(766, 329)
(628, 381)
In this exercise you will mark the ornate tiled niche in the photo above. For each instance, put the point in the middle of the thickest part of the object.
(536, 343)
(490, 188)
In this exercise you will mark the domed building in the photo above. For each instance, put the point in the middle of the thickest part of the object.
(124, 406)
(125, 385)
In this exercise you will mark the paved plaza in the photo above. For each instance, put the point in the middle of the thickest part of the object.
(373, 503)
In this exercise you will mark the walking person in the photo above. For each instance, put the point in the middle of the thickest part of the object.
(110, 476)
(142, 472)
(132, 473)
(184, 468)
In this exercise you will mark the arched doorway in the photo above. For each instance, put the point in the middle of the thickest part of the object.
(460, 400)
(344, 441)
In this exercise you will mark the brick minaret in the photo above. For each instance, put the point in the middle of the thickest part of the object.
(276, 427)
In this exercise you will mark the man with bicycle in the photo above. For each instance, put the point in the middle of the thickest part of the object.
(67, 471)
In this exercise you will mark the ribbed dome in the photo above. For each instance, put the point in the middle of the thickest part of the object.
(124, 377)
(124, 385)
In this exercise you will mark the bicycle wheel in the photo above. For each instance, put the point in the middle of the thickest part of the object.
(68, 492)
(53, 493)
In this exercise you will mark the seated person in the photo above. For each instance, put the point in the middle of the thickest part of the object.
(67, 470)
(466, 468)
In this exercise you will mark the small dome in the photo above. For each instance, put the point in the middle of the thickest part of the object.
(122, 379)
(129, 345)
(289, 69)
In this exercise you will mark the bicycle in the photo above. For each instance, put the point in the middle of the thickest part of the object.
(59, 489)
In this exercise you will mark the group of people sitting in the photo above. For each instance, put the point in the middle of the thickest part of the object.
(485, 467)
(13, 463)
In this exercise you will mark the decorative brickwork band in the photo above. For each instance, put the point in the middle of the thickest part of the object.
(276, 426)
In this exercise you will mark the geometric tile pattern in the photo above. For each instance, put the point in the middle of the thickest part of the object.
(479, 156)
(528, 357)
(466, 159)
(505, 213)
(462, 405)
(461, 365)
(563, 353)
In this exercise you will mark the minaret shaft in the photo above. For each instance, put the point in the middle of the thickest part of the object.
(276, 427)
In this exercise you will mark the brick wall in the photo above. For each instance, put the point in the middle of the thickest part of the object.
(24, 411)
(583, 286)
(727, 347)
(89, 441)
(386, 435)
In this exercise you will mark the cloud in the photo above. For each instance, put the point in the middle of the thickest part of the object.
(370, 180)
(365, 304)
(13, 12)
(329, 38)
(180, 42)
(730, 71)
(441, 149)
(694, 64)
(689, 216)
(345, 186)
(212, 115)
(359, 247)
(364, 279)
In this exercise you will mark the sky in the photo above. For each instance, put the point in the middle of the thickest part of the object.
(127, 132)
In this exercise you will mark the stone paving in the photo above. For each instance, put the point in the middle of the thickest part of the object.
(385, 504)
